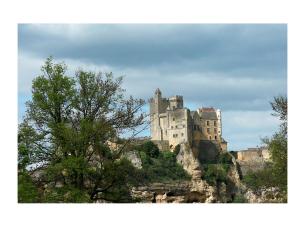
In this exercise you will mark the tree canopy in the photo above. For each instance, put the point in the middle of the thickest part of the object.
(69, 124)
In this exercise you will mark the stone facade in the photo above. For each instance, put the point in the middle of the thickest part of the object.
(252, 159)
(173, 123)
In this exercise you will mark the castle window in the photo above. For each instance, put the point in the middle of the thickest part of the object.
(195, 127)
(209, 137)
(215, 130)
(215, 137)
(215, 123)
(182, 134)
(183, 125)
(175, 135)
(171, 127)
(173, 118)
(207, 122)
(176, 126)
(208, 130)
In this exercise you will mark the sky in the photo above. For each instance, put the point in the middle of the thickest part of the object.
(237, 68)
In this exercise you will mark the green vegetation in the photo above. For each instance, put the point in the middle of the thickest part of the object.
(239, 198)
(27, 190)
(275, 174)
(216, 172)
(162, 166)
(68, 125)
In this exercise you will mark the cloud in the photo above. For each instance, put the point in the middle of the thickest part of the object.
(238, 68)
(246, 128)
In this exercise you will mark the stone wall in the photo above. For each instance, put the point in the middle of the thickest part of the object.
(253, 154)
(252, 159)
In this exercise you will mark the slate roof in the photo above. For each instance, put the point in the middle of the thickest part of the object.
(208, 115)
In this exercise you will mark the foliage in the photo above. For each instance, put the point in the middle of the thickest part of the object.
(258, 179)
(275, 174)
(225, 158)
(68, 125)
(66, 194)
(121, 176)
(239, 198)
(150, 149)
(215, 173)
(177, 149)
(27, 190)
(162, 167)
(280, 108)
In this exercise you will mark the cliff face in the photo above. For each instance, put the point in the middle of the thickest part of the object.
(186, 158)
(196, 190)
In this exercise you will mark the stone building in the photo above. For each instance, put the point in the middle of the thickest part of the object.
(173, 124)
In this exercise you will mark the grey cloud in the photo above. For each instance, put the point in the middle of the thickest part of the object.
(171, 47)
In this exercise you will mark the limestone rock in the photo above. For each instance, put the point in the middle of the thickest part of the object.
(134, 158)
(188, 161)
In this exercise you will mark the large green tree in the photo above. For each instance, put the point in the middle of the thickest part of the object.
(69, 124)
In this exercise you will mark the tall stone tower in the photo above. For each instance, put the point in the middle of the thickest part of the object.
(156, 107)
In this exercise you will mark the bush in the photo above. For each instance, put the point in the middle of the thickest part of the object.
(27, 190)
(215, 173)
(239, 198)
(68, 194)
(225, 158)
(150, 149)
(259, 179)
(177, 149)
(162, 168)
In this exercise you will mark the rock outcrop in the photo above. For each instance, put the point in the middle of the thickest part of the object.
(188, 161)
(172, 192)
(264, 195)
(195, 190)
(134, 158)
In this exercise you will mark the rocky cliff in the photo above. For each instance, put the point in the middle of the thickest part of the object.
(195, 190)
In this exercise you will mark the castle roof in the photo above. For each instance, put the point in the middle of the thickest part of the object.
(209, 115)
(207, 109)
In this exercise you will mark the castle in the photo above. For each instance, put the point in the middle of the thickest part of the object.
(173, 124)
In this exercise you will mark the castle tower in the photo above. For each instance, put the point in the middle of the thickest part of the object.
(155, 110)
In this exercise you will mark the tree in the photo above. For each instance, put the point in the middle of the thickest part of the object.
(278, 144)
(150, 149)
(70, 122)
(275, 173)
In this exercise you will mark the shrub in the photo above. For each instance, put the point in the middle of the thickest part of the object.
(177, 149)
(27, 190)
(259, 179)
(225, 158)
(215, 173)
(239, 198)
(162, 168)
(150, 149)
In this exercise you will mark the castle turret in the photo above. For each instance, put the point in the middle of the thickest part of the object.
(157, 106)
